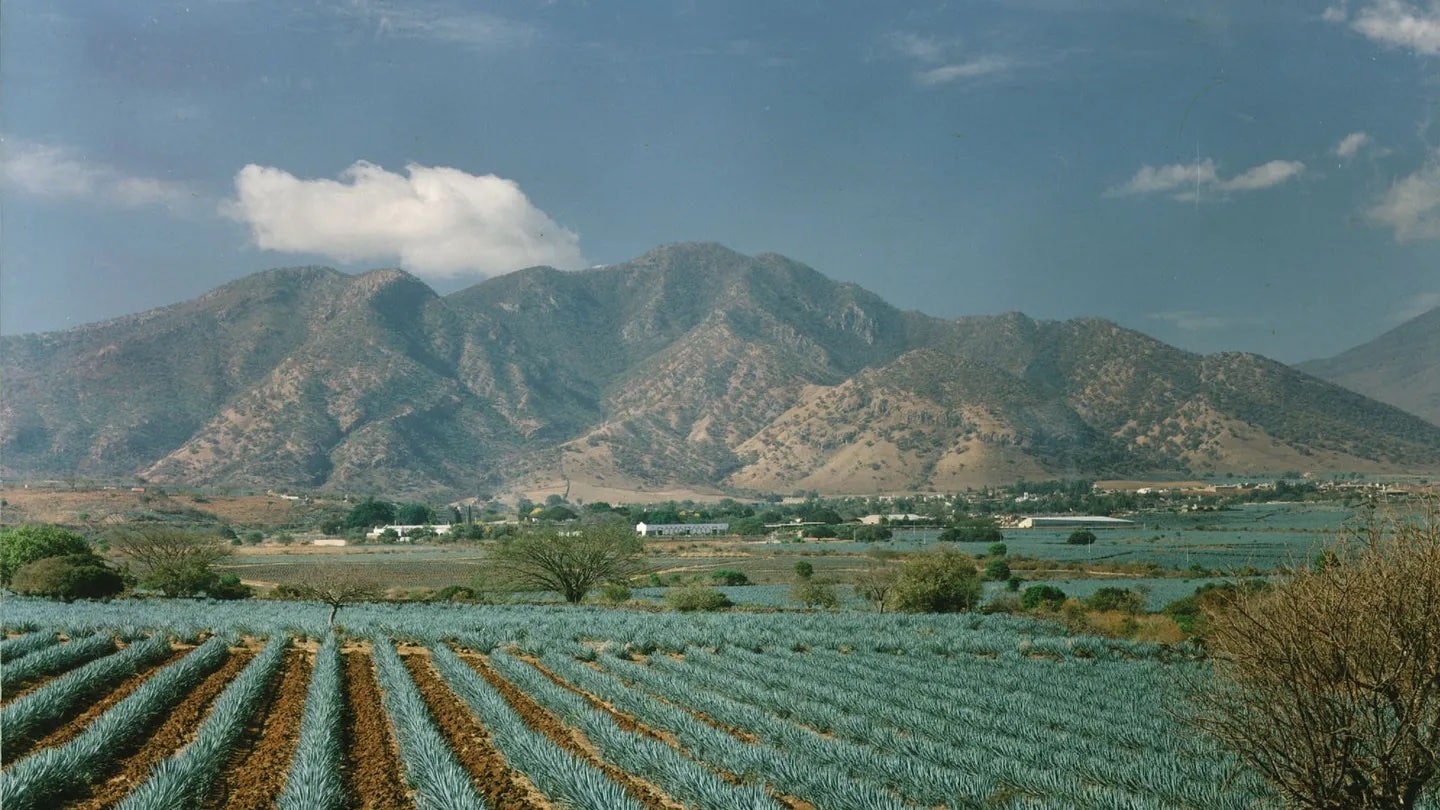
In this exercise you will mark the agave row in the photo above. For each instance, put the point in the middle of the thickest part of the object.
(41, 779)
(439, 781)
(21, 646)
(183, 780)
(566, 779)
(789, 771)
(314, 781)
(54, 700)
(677, 775)
(57, 658)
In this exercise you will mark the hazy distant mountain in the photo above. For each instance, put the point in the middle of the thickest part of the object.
(1401, 367)
(691, 366)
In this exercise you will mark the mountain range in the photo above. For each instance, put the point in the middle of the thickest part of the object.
(692, 368)
(1401, 367)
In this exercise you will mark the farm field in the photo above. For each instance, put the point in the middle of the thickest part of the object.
(440, 706)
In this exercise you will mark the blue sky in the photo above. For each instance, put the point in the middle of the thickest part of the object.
(1222, 175)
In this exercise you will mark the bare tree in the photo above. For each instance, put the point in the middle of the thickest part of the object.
(875, 583)
(1328, 683)
(337, 586)
(571, 563)
(173, 561)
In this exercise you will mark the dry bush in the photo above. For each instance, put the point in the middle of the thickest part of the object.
(1328, 684)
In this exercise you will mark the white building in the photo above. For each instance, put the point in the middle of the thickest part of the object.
(405, 529)
(679, 529)
(1073, 521)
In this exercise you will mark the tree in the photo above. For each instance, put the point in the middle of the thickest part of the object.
(73, 576)
(813, 593)
(1081, 537)
(804, 570)
(875, 584)
(172, 561)
(1042, 596)
(413, 514)
(337, 586)
(370, 513)
(571, 564)
(997, 570)
(938, 581)
(22, 545)
(872, 534)
(1328, 682)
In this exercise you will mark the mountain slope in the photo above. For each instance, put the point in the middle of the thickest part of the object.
(690, 366)
(1401, 367)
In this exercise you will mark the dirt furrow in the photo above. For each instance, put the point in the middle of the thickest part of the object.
(372, 763)
(73, 727)
(541, 720)
(255, 774)
(629, 723)
(177, 730)
(503, 787)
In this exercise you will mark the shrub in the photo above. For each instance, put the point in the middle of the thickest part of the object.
(695, 596)
(1081, 537)
(804, 570)
(998, 550)
(1116, 599)
(938, 581)
(74, 576)
(26, 544)
(1013, 584)
(229, 586)
(997, 570)
(813, 593)
(726, 576)
(1048, 597)
(871, 534)
(1002, 603)
(977, 530)
(614, 593)
(454, 593)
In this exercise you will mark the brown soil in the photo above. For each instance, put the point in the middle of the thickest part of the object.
(502, 787)
(255, 774)
(541, 720)
(75, 726)
(632, 725)
(177, 730)
(371, 767)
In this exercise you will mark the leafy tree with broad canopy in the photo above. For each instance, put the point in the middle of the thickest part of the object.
(938, 581)
(173, 561)
(73, 576)
(22, 545)
(571, 563)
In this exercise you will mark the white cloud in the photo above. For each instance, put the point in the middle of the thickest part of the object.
(44, 170)
(1412, 205)
(1351, 144)
(439, 22)
(1394, 23)
(1265, 175)
(1185, 181)
(917, 47)
(973, 69)
(1415, 306)
(437, 221)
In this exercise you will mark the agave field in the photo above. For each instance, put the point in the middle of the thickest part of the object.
(144, 705)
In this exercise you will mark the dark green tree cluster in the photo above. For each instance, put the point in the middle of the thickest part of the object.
(48, 561)
(973, 530)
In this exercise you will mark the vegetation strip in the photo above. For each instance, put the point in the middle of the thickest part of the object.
(371, 767)
(21, 646)
(256, 772)
(56, 659)
(180, 693)
(78, 724)
(564, 778)
(430, 767)
(626, 752)
(182, 781)
(25, 718)
(503, 787)
(314, 781)
(630, 724)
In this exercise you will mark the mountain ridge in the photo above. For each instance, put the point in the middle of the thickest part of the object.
(1399, 367)
(691, 366)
